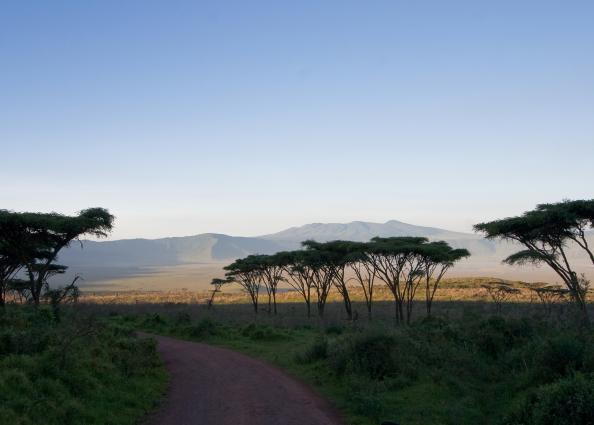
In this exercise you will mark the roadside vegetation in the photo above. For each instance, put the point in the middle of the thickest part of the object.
(74, 369)
(370, 330)
(477, 368)
(60, 366)
(527, 369)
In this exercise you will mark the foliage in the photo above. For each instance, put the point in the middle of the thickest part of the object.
(569, 401)
(32, 241)
(75, 371)
(436, 371)
(402, 263)
(545, 232)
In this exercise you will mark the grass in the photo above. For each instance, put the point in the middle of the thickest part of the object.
(74, 369)
(451, 289)
(472, 368)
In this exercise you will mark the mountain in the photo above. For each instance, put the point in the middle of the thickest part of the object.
(362, 231)
(205, 248)
(203, 256)
(213, 248)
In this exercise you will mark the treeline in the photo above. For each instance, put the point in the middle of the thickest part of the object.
(29, 248)
(546, 233)
(403, 264)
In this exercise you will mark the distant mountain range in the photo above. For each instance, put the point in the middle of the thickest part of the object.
(118, 258)
(213, 247)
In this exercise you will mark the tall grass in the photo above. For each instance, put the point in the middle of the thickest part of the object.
(78, 370)
(464, 366)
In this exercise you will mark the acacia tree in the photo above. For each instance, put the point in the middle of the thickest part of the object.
(217, 284)
(299, 273)
(335, 255)
(10, 235)
(271, 272)
(390, 257)
(247, 273)
(413, 274)
(359, 261)
(17, 244)
(436, 259)
(319, 261)
(500, 292)
(43, 236)
(545, 233)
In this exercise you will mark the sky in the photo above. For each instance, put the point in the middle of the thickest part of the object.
(185, 117)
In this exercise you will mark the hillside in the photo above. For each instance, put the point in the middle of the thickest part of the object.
(185, 261)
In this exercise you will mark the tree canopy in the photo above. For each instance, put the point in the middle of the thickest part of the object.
(545, 232)
(402, 263)
(32, 241)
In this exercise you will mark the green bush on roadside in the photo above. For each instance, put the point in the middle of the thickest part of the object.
(74, 371)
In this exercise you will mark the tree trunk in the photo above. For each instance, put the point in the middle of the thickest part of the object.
(321, 310)
(348, 306)
(429, 303)
(396, 311)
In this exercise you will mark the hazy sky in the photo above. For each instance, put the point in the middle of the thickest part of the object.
(248, 117)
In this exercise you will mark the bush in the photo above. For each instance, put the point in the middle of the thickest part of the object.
(203, 329)
(74, 371)
(262, 333)
(569, 401)
(183, 319)
(368, 354)
(365, 399)
(317, 350)
(496, 335)
(560, 355)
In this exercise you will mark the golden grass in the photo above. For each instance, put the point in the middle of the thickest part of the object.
(451, 289)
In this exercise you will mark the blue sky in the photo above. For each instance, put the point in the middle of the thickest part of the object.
(249, 117)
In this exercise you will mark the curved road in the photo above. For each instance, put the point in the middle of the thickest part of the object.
(211, 385)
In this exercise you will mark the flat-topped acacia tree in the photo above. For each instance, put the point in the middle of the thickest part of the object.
(247, 273)
(41, 237)
(11, 235)
(359, 261)
(335, 257)
(404, 263)
(436, 259)
(217, 285)
(546, 232)
(390, 257)
(271, 268)
(322, 262)
(298, 273)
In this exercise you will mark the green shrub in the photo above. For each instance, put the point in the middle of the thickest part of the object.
(365, 399)
(262, 333)
(317, 350)
(569, 401)
(560, 355)
(364, 353)
(203, 329)
(74, 371)
(182, 318)
(496, 335)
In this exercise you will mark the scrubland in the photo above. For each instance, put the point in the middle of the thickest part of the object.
(74, 368)
(523, 364)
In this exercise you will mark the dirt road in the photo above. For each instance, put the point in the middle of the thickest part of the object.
(211, 385)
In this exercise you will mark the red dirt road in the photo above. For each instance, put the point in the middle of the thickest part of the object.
(211, 385)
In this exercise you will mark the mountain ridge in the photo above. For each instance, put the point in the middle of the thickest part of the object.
(220, 247)
(124, 257)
